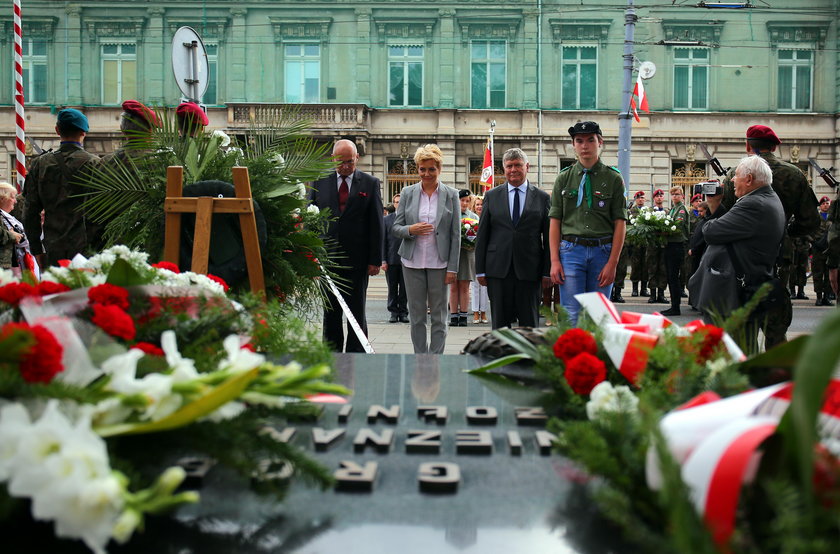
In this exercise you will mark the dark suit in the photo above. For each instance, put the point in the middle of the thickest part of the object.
(397, 302)
(514, 259)
(356, 244)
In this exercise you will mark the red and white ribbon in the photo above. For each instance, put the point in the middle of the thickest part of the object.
(20, 124)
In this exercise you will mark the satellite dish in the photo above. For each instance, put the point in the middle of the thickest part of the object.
(647, 70)
(189, 63)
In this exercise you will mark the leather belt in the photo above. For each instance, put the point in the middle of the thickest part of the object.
(587, 242)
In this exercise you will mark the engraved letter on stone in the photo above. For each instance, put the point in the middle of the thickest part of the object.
(390, 415)
(482, 415)
(530, 415)
(439, 477)
(474, 442)
(438, 414)
(353, 477)
(545, 441)
(423, 442)
(324, 438)
(367, 437)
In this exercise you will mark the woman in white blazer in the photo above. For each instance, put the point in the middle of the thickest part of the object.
(428, 221)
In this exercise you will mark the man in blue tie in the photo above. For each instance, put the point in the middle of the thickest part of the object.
(588, 220)
(511, 250)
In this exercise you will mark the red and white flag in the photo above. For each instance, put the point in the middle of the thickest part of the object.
(487, 167)
(639, 90)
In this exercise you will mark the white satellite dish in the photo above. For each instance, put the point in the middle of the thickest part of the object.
(647, 70)
(189, 63)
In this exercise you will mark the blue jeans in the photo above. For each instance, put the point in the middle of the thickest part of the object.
(581, 265)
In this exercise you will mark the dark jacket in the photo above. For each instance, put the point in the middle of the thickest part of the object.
(392, 243)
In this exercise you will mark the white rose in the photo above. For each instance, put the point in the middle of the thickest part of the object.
(673, 227)
(312, 208)
(606, 398)
(224, 139)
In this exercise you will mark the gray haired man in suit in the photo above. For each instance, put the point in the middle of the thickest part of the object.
(511, 252)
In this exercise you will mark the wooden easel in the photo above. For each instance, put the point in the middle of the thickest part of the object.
(204, 207)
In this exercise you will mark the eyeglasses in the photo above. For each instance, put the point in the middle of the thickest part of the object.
(345, 162)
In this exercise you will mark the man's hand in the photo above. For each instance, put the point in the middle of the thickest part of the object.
(482, 281)
(558, 276)
(832, 278)
(607, 275)
(450, 278)
(384, 266)
(373, 270)
(421, 229)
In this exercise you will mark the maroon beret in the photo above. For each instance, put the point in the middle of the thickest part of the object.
(659, 192)
(639, 194)
(141, 111)
(696, 197)
(763, 132)
(825, 199)
(187, 109)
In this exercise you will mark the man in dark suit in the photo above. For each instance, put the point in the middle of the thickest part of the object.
(356, 231)
(392, 265)
(511, 250)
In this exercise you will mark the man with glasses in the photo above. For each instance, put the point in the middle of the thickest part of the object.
(356, 237)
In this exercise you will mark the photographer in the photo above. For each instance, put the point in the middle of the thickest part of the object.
(746, 237)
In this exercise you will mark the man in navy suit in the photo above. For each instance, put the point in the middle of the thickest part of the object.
(511, 250)
(356, 233)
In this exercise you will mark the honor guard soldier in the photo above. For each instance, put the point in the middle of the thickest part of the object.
(638, 269)
(655, 259)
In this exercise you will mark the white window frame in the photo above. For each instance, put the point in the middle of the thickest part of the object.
(31, 60)
(406, 59)
(119, 57)
(488, 60)
(690, 62)
(302, 59)
(578, 62)
(213, 59)
(794, 64)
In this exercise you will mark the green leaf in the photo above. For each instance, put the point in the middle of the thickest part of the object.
(280, 190)
(783, 355)
(518, 342)
(215, 398)
(507, 360)
(812, 374)
(124, 275)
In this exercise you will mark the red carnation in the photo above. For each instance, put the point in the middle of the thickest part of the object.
(712, 337)
(167, 265)
(149, 349)
(114, 321)
(109, 295)
(45, 288)
(13, 293)
(573, 342)
(584, 371)
(41, 361)
(218, 280)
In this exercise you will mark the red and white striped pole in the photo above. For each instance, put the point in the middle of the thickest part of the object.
(20, 123)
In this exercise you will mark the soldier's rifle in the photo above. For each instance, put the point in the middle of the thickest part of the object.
(714, 162)
(824, 173)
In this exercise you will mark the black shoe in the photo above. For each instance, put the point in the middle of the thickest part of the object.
(661, 298)
(453, 320)
(819, 301)
(635, 292)
(831, 296)
(644, 292)
(403, 319)
(652, 299)
(617, 298)
(683, 294)
(671, 311)
(827, 302)
(801, 296)
(793, 294)
(462, 320)
(394, 318)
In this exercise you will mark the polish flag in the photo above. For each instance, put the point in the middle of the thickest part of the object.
(487, 167)
(639, 90)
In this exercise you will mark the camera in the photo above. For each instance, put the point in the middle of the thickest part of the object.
(708, 188)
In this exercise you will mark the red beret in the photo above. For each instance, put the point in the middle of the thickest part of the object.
(696, 197)
(139, 110)
(187, 109)
(825, 199)
(639, 194)
(763, 132)
(657, 192)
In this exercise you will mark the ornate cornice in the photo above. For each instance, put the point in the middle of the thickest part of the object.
(705, 31)
(99, 28)
(212, 28)
(812, 33)
(300, 28)
(579, 30)
(419, 29)
(489, 27)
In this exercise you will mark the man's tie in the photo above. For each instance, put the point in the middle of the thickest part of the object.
(515, 215)
(585, 189)
(343, 193)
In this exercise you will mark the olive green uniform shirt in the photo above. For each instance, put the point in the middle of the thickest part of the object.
(679, 218)
(608, 201)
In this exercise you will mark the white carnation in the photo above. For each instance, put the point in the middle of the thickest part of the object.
(673, 227)
(224, 138)
(606, 398)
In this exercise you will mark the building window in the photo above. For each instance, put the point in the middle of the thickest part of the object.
(795, 79)
(303, 73)
(119, 72)
(34, 71)
(580, 77)
(405, 75)
(211, 95)
(487, 72)
(691, 78)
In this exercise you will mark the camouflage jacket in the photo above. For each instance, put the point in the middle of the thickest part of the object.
(52, 184)
(792, 188)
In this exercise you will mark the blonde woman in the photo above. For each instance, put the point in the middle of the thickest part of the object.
(428, 222)
(14, 248)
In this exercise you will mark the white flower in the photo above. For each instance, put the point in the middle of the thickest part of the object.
(6, 277)
(227, 411)
(183, 369)
(277, 158)
(606, 398)
(14, 424)
(673, 227)
(224, 139)
(647, 217)
(238, 358)
(313, 209)
(301, 190)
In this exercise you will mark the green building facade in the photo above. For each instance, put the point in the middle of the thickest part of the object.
(397, 74)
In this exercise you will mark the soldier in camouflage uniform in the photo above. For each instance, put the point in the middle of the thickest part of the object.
(655, 259)
(822, 287)
(799, 203)
(799, 267)
(638, 271)
(52, 185)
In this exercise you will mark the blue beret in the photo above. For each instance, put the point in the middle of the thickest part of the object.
(75, 118)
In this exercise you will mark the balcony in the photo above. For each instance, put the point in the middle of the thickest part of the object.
(350, 118)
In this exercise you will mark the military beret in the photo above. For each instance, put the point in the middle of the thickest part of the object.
(139, 110)
(639, 194)
(463, 193)
(75, 118)
(659, 192)
(186, 109)
(584, 128)
(825, 199)
(696, 197)
(763, 132)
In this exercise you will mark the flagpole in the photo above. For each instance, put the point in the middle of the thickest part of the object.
(20, 122)
(625, 126)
